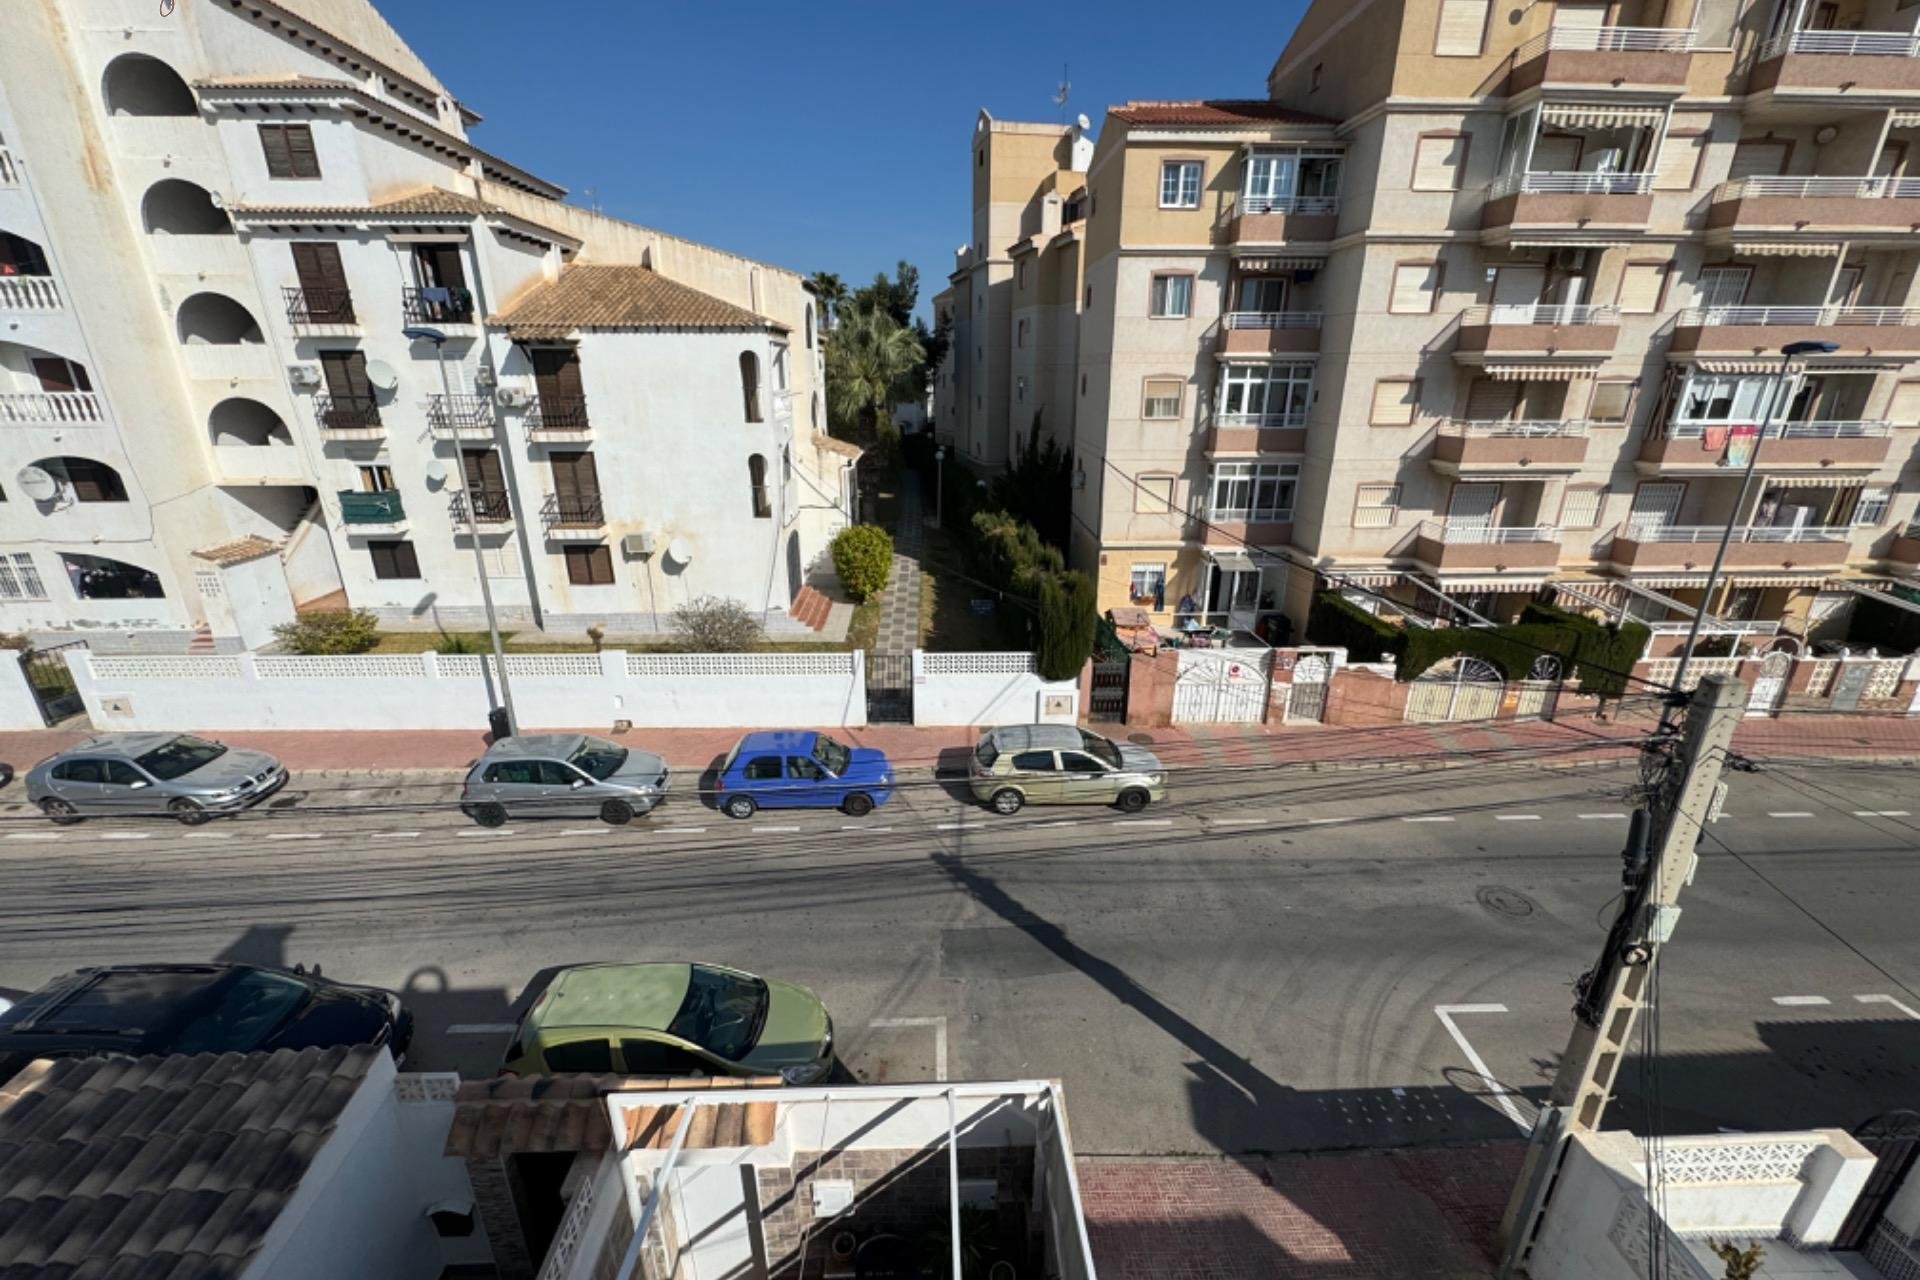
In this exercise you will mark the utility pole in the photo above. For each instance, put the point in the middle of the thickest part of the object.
(1608, 998)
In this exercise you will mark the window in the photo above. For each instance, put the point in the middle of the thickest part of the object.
(1723, 286)
(779, 366)
(1581, 507)
(1293, 179)
(1416, 285)
(1313, 82)
(762, 769)
(1642, 285)
(809, 326)
(1265, 395)
(750, 384)
(518, 773)
(1086, 301)
(1021, 272)
(1153, 495)
(19, 580)
(1163, 397)
(579, 1055)
(1679, 166)
(289, 151)
(1394, 402)
(1262, 293)
(1438, 161)
(1080, 762)
(1147, 582)
(81, 771)
(1020, 333)
(1612, 403)
(757, 481)
(1172, 297)
(1904, 407)
(1180, 184)
(589, 566)
(393, 559)
(375, 477)
(1034, 762)
(1870, 508)
(88, 480)
(1253, 490)
(1461, 29)
(1726, 399)
(1020, 390)
(1375, 506)
(655, 1058)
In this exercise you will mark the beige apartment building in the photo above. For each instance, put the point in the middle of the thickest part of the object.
(1503, 309)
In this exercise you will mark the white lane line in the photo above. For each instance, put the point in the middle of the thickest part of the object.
(694, 831)
(1801, 1000)
(586, 831)
(1500, 1092)
(1881, 999)
(939, 1024)
(1321, 822)
(954, 826)
(1431, 817)
(481, 1028)
(1789, 813)
(1061, 822)
(777, 830)
(208, 835)
(1143, 822)
(128, 835)
(486, 831)
(34, 835)
(1238, 822)
(1516, 817)
(1881, 813)
(293, 835)
(1603, 817)
(394, 835)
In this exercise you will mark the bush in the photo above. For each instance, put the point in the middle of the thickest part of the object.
(1335, 620)
(712, 624)
(1065, 625)
(1603, 655)
(1008, 553)
(863, 557)
(329, 631)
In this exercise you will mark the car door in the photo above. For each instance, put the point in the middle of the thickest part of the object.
(808, 784)
(559, 792)
(577, 1051)
(764, 778)
(1038, 774)
(647, 1056)
(80, 783)
(1085, 780)
(124, 789)
(515, 784)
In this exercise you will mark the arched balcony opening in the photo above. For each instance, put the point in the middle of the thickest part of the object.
(213, 319)
(175, 207)
(137, 85)
(242, 421)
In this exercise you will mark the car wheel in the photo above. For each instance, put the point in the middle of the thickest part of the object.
(616, 813)
(6, 774)
(490, 815)
(739, 807)
(62, 813)
(1132, 801)
(189, 813)
(1007, 801)
(857, 805)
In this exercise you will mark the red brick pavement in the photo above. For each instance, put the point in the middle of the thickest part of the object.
(1428, 1212)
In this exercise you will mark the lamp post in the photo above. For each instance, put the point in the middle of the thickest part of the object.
(439, 340)
(1788, 354)
(939, 488)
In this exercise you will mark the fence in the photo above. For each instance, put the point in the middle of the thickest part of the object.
(988, 688)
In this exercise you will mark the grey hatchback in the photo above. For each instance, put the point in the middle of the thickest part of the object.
(554, 774)
(190, 778)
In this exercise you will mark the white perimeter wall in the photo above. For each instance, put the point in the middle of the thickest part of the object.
(987, 689)
(19, 709)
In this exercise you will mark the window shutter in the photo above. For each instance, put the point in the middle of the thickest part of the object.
(1904, 408)
(1437, 161)
(1394, 402)
(1679, 161)
(1581, 17)
(301, 158)
(273, 143)
(1640, 287)
(1581, 510)
(1489, 400)
(1713, 19)
(1462, 23)
(1758, 160)
(1375, 505)
(1414, 286)
(1610, 402)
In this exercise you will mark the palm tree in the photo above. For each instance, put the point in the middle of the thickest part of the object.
(871, 365)
(832, 293)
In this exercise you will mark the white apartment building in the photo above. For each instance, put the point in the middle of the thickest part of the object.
(218, 225)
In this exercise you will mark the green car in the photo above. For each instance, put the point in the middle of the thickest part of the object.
(673, 1020)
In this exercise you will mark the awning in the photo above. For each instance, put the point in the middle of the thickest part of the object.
(1517, 582)
(1573, 241)
(1906, 120)
(1812, 480)
(1582, 116)
(1892, 364)
(1734, 366)
(1547, 371)
(1231, 560)
(1789, 249)
(1375, 580)
(1671, 581)
(1292, 262)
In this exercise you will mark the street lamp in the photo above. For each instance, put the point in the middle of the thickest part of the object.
(1788, 354)
(420, 333)
(939, 488)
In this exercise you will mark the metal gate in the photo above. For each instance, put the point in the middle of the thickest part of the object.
(1107, 703)
(1220, 687)
(1895, 1138)
(52, 682)
(1307, 697)
(1771, 688)
(1538, 696)
(1455, 689)
(889, 688)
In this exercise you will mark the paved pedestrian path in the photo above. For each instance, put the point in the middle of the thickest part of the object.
(900, 603)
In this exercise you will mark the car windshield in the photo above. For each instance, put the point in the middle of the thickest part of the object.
(598, 758)
(246, 1014)
(831, 754)
(723, 1012)
(181, 756)
(1101, 749)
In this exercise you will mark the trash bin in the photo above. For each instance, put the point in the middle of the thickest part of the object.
(497, 724)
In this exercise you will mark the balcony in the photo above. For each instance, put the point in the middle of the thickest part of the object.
(367, 514)
(1240, 529)
(574, 519)
(1787, 446)
(558, 420)
(1448, 547)
(436, 307)
(1465, 447)
(1566, 331)
(1905, 546)
(1265, 220)
(238, 464)
(1823, 206)
(460, 417)
(1616, 57)
(344, 417)
(1269, 333)
(1754, 547)
(9, 176)
(1583, 202)
(1859, 331)
(317, 310)
(29, 293)
(50, 408)
(492, 508)
(1251, 433)
(1850, 62)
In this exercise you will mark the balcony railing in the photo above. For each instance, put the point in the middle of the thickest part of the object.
(1884, 44)
(307, 307)
(1826, 429)
(1513, 428)
(557, 415)
(1251, 515)
(1550, 313)
(48, 408)
(437, 306)
(460, 417)
(1272, 320)
(345, 412)
(1861, 188)
(372, 508)
(29, 293)
(581, 512)
(1654, 532)
(1294, 418)
(490, 506)
(1289, 204)
(1453, 533)
(1581, 184)
(1609, 40)
(8, 175)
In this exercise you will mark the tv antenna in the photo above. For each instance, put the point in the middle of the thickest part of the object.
(1061, 94)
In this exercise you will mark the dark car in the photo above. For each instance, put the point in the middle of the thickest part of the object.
(196, 1008)
(801, 769)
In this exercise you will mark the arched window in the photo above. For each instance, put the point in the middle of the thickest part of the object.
(217, 320)
(84, 480)
(136, 85)
(809, 326)
(98, 578)
(240, 420)
(750, 384)
(174, 207)
(757, 478)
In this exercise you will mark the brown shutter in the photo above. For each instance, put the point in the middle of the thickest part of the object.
(273, 142)
(346, 373)
(301, 158)
(1462, 23)
(1414, 288)
(1761, 159)
(1640, 287)
(1489, 400)
(1904, 408)
(1679, 161)
(556, 372)
(318, 266)
(574, 475)
(1393, 402)
(483, 471)
(1436, 162)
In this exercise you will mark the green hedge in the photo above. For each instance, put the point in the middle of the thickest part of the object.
(1065, 625)
(1603, 655)
(863, 557)
(1332, 619)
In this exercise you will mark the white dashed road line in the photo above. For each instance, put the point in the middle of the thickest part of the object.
(1321, 822)
(34, 835)
(1882, 999)
(1431, 817)
(1602, 817)
(694, 831)
(1881, 813)
(395, 835)
(128, 835)
(293, 835)
(1500, 1092)
(1516, 817)
(487, 831)
(1801, 1000)
(1238, 822)
(955, 826)
(777, 830)
(1143, 822)
(1791, 813)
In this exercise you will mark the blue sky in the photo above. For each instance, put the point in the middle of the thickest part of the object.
(830, 136)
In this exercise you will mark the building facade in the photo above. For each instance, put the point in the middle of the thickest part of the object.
(239, 248)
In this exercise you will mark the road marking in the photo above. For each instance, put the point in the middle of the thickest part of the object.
(34, 835)
(1889, 1000)
(694, 831)
(1603, 817)
(487, 831)
(777, 830)
(395, 835)
(128, 835)
(1143, 822)
(1790, 813)
(293, 835)
(1431, 817)
(1238, 822)
(209, 835)
(1321, 822)
(482, 1028)
(585, 831)
(957, 826)
(939, 1024)
(1501, 1094)
(1801, 1000)
(1881, 813)
(1061, 822)
(1516, 817)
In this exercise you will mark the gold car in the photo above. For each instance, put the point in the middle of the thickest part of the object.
(1017, 765)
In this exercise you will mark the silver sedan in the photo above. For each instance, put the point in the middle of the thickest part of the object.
(554, 774)
(189, 778)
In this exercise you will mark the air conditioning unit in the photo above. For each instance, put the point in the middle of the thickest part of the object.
(304, 375)
(513, 397)
(638, 544)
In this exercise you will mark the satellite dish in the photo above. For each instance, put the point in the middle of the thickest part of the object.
(436, 471)
(37, 483)
(381, 375)
(681, 551)
(1085, 123)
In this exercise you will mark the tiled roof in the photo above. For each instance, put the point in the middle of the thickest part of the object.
(426, 202)
(166, 1168)
(239, 551)
(845, 448)
(1215, 111)
(273, 82)
(568, 1112)
(595, 296)
(359, 26)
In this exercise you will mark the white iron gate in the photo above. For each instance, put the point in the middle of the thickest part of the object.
(1227, 686)
(1771, 688)
(1307, 695)
(1455, 689)
(1538, 696)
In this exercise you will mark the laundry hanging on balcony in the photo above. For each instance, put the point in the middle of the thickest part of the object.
(1740, 442)
(1575, 115)
(1713, 439)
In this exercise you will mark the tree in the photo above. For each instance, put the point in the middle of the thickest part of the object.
(935, 342)
(863, 557)
(897, 297)
(832, 293)
(714, 624)
(871, 366)
(1067, 617)
(1038, 487)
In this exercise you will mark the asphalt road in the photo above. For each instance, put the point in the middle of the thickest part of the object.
(1277, 959)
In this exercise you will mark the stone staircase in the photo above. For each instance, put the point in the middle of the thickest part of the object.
(810, 608)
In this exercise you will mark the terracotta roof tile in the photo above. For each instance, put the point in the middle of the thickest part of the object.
(239, 551)
(1213, 111)
(595, 296)
(426, 202)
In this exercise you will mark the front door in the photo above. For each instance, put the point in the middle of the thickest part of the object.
(126, 789)
(556, 379)
(1243, 599)
(807, 784)
(1085, 780)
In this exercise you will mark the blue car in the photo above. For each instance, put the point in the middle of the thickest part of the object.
(800, 769)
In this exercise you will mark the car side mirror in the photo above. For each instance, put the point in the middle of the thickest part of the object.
(578, 783)
(137, 784)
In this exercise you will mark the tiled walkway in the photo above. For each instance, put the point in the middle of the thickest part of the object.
(900, 602)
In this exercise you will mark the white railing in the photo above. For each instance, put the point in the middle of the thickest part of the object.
(1713, 627)
(8, 175)
(1469, 534)
(1252, 515)
(1540, 313)
(1656, 532)
(1584, 184)
(43, 408)
(1824, 429)
(29, 293)
(1830, 315)
(1272, 320)
(1862, 188)
(1502, 428)
(1297, 418)
(1885, 44)
(1609, 40)
(1289, 204)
